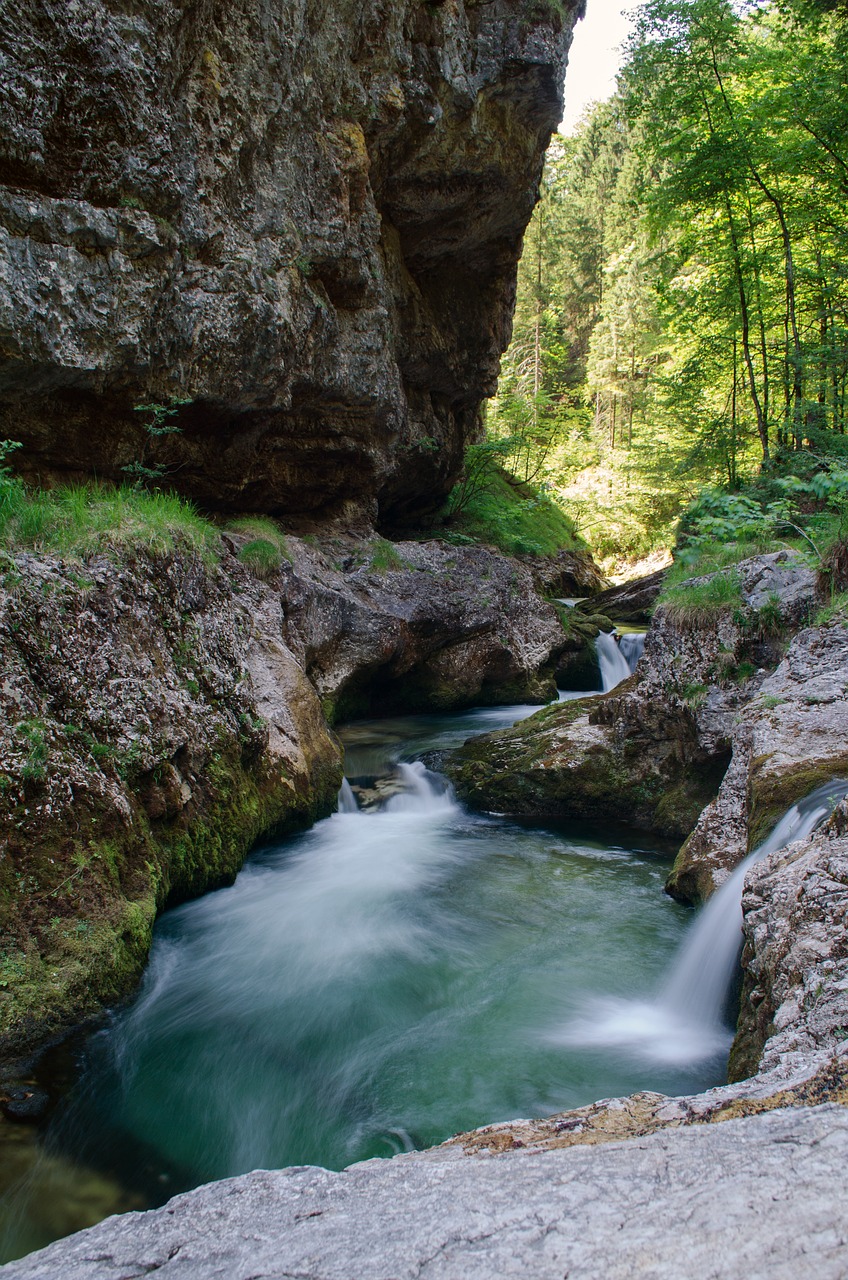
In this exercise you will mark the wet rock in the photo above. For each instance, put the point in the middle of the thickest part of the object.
(152, 726)
(160, 714)
(773, 1182)
(795, 962)
(23, 1102)
(791, 737)
(300, 221)
(654, 751)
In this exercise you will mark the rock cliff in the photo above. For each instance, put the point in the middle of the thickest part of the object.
(296, 221)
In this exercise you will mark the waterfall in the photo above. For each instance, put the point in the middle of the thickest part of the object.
(632, 646)
(615, 660)
(685, 1023)
(347, 800)
(698, 988)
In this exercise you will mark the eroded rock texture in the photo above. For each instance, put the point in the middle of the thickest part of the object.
(303, 217)
(654, 751)
(760, 1197)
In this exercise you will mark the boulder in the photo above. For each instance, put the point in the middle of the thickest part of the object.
(631, 601)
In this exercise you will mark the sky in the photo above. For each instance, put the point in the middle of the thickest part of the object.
(595, 57)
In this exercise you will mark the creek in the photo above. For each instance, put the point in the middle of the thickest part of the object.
(391, 976)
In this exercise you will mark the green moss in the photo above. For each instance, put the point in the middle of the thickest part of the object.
(516, 519)
(772, 794)
(76, 914)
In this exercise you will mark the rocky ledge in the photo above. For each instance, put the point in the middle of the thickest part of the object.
(162, 711)
(655, 751)
(760, 1197)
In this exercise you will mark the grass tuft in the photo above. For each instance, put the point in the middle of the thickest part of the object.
(77, 520)
(267, 548)
(385, 557)
(694, 604)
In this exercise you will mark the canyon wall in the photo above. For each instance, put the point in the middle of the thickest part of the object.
(296, 222)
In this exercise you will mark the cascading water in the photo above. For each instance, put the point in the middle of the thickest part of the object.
(378, 982)
(617, 658)
(347, 800)
(685, 1022)
(632, 645)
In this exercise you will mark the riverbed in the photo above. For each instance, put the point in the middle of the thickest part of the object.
(374, 985)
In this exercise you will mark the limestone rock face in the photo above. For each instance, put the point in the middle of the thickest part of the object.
(152, 725)
(427, 626)
(791, 737)
(794, 1006)
(302, 218)
(760, 1197)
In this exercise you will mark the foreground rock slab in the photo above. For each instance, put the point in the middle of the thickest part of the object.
(759, 1197)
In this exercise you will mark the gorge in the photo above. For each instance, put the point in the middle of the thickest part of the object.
(295, 872)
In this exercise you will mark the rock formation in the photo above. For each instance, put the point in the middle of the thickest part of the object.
(162, 711)
(296, 222)
(760, 1196)
(654, 751)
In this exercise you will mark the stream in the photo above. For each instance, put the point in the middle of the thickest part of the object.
(390, 977)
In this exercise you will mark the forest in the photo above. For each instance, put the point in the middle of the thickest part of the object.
(682, 317)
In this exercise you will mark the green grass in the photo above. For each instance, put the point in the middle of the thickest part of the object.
(836, 610)
(76, 520)
(698, 603)
(517, 520)
(385, 557)
(267, 548)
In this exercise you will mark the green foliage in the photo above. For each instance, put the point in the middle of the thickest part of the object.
(158, 423)
(682, 311)
(267, 548)
(385, 557)
(518, 519)
(76, 520)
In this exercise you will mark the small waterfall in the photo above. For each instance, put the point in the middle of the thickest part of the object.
(423, 791)
(611, 660)
(632, 647)
(685, 1022)
(700, 981)
(347, 800)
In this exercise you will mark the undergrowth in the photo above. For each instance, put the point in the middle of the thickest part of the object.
(76, 520)
(515, 518)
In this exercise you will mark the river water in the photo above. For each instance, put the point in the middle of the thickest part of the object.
(376, 984)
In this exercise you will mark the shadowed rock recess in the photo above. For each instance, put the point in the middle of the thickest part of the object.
(301, 218)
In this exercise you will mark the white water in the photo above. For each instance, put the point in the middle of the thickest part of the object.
(685, 1022)
(347, 800)
(617, 658)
